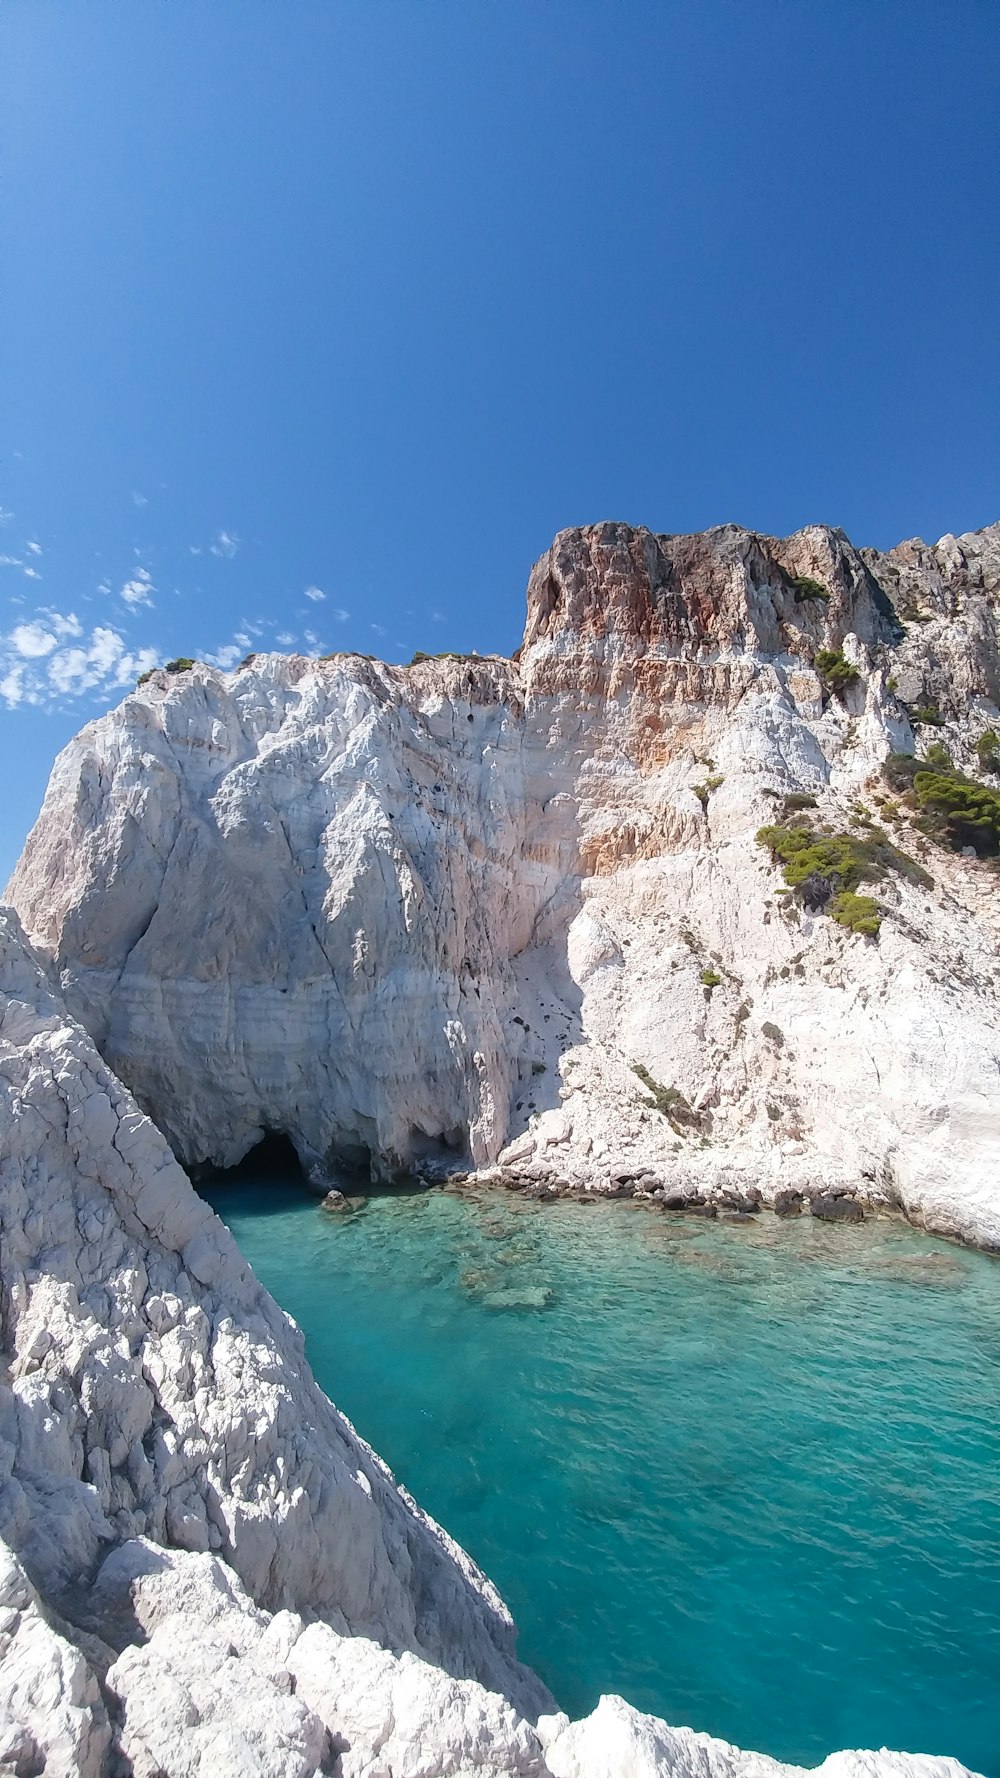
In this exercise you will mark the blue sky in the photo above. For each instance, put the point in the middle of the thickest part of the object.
(318, 320)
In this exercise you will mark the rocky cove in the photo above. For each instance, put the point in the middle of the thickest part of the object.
(539, 919)
(696, 1455)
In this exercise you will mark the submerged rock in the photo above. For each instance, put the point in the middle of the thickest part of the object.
(337, 1202)
(836, 1209)
(519, 1296)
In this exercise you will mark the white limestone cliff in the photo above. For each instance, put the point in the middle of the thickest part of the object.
(204, 1572)
(438, 916)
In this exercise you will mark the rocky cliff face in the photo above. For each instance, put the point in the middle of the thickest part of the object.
(440, 915)
(204, 1572)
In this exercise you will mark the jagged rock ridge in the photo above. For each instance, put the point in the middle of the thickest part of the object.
(411, 916)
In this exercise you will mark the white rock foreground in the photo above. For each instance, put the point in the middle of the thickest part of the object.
(407, 916)
(204, 1572)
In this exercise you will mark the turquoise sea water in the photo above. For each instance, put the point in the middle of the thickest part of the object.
(747, 1475)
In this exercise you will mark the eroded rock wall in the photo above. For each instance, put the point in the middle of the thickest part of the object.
(204, 1572)
(151, 1388)
(439, 915)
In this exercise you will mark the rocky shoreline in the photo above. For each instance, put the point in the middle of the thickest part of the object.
(829, 1204)
(508, 918)
(477, 912)
(204, 1572)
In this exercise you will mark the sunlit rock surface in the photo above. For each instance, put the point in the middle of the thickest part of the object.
(437, 915)
(151, 1387)
(204, 1572)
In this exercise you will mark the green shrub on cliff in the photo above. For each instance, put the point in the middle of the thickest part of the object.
(838, 860)
(835, 669)
(954, 809)
(988, 751)
(960, 811)
(859, 913)
(669, 1101)
(826, 869)
(704, 790)
(806, 588)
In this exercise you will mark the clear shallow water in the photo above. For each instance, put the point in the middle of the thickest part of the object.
(746, 1475)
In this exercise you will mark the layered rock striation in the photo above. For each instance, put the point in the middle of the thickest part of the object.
(441, 915)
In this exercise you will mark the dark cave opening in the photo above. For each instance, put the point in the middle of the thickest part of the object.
(272, 1158)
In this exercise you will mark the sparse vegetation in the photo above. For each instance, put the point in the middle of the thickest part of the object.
(954, 809)
(826, 869)
(859, 913)
(899, 771)
(448, 654)
(796, 800)
(669, 1101)
(182, 664)
(927, 714)
(959, 810)
(807, 588)
(145, 677)
(988, 751)
(710, 978)
(835, 670)
(704, 790)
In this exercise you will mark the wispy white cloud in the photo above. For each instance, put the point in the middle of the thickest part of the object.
(12, 687)
(11, 562)
(31, 641)
(285, 639)
(244, 642)
(226, 657)
(380, 629)
(315, 593)
(34, 640)
(48, 659)
(6, 517)
(226, 544)
(137, 590)
(31, 573)
(33, 548)
(139, 499)
(105, 662)
(340, 614)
